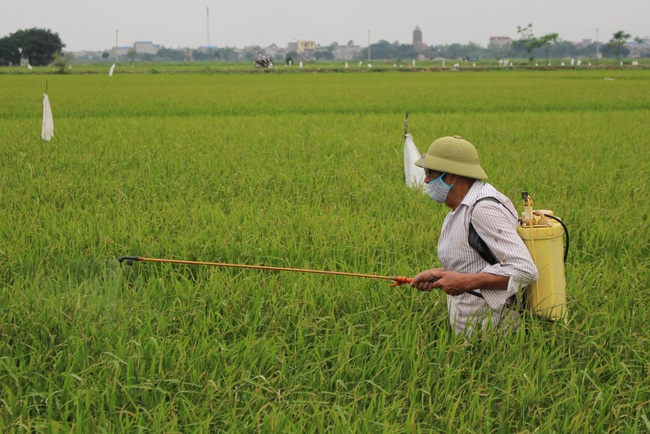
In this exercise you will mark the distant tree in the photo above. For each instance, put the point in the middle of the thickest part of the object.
(225, 54)
(618, 40)
(132, 55)
(9, 54)
(62, 63)
(250, 56)
(169, 54)
(105, 54)
(546, 40)
(564, 49)
(290, 56)
(459, 51)
(321, 54)
(527, 41)
(386, 50)
(38, 45)
(203, 56)
(380, 50)
(499, 51)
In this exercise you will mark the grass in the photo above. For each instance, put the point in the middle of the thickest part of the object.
(306, 171)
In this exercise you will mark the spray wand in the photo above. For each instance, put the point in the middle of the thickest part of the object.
(399, 280)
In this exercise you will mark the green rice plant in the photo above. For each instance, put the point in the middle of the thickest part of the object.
(305, 170)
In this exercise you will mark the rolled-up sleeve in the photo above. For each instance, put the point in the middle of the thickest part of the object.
(498, 229)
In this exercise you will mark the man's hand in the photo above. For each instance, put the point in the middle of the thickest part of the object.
(450, 282)
(454, 283)
(426, 280)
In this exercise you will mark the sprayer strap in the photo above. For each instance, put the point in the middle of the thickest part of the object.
(476, 242)
(474, 239)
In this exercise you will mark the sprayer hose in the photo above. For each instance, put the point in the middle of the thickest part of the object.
(566, 232)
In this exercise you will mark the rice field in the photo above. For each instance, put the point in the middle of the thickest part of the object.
(306, 171)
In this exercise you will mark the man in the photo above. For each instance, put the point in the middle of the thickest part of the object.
(478, 292)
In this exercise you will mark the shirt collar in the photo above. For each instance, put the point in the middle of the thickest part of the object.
(473, 193)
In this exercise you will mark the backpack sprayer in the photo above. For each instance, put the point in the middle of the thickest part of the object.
(542, 232)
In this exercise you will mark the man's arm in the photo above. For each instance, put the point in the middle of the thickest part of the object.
(499, 232)
(453, 283)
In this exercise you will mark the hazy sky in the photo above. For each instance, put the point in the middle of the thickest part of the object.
(92, 24)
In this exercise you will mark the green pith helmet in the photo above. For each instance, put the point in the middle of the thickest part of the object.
(453, 155)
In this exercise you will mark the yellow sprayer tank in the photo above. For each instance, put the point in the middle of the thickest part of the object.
(543, 238)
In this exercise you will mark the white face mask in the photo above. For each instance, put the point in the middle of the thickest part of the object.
(438, 189)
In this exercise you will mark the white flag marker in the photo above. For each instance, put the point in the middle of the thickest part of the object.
(47, 131)
(413, 175)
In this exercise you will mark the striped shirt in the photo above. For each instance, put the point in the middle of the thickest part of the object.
(498, 228)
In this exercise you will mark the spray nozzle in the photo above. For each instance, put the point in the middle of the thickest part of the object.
(129, 259)
(528, 208)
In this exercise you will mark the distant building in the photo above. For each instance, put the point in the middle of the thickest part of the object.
(274, 51)
(417, 39)
(347, 52)
(145, 47)
(638, 49)
(499, 41)
(89, 55)
(301, 46)
(119, 51)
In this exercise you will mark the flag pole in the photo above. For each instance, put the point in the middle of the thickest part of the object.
(406, 124)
